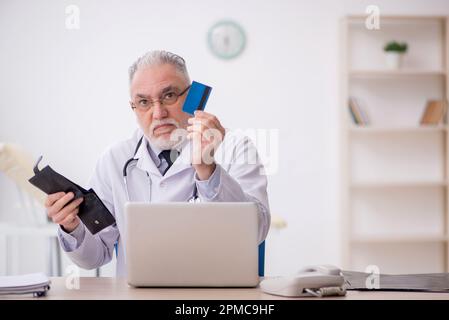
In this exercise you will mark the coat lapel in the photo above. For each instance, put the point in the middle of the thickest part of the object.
(144, 161)
(183, 162)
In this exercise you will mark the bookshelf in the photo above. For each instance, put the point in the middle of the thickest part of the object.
(395, 182)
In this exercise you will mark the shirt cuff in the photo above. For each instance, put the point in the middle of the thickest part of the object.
(71, 241)
(208, 189)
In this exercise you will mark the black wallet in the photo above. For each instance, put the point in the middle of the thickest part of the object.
(92, 211)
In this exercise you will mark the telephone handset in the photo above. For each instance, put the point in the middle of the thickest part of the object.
(319, 281)
(326, 269)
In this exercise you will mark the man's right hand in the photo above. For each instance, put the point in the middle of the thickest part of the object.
(61, 211)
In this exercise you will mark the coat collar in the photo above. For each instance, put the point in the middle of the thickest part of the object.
(146, 163)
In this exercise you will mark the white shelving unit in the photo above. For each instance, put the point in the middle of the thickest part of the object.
(395, 195)
(395, 73)
(388, 130)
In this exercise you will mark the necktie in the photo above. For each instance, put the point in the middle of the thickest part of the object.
(170, 156)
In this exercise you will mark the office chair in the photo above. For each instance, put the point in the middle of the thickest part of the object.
(261, 257)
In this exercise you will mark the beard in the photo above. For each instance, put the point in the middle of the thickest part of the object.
(166, 141)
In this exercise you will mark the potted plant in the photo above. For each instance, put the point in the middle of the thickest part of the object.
(394, 53)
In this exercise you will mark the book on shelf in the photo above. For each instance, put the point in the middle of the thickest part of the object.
(434, 112)
(358, 114)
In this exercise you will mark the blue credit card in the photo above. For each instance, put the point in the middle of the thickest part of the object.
(196, 98)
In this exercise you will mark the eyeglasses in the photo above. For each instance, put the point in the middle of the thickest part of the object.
(168, 98)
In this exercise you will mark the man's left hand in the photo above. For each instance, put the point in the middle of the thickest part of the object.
(206, 134)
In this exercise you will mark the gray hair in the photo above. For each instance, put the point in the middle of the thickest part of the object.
(159, 57)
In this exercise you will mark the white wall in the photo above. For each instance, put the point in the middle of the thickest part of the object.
(63, 93)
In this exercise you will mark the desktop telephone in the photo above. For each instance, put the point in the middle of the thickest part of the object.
(318, 281)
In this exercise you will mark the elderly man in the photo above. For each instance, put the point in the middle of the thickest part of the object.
(172, 157)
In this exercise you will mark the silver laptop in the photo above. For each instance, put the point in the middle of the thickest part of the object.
(192, 244)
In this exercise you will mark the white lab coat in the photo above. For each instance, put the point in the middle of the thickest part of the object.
(240, 178)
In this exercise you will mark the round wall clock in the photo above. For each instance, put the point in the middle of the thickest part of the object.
(226, 39)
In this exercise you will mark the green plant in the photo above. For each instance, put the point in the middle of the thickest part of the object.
(394, 46)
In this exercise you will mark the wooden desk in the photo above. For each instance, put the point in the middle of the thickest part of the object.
(112, 288)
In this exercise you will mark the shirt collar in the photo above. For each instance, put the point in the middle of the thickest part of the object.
(148, 155)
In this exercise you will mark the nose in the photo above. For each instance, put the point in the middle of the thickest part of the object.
(159, 111)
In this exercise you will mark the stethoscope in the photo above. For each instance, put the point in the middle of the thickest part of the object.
(194, 197)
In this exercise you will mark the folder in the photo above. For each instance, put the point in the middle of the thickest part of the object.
(428, 282)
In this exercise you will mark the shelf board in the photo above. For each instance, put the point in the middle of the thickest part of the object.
(398, 239)
(395, 73)
(397, 18)
(383, 130)
(399, 184)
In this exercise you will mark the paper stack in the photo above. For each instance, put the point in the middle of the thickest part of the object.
(36, 283)
(430, 282)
